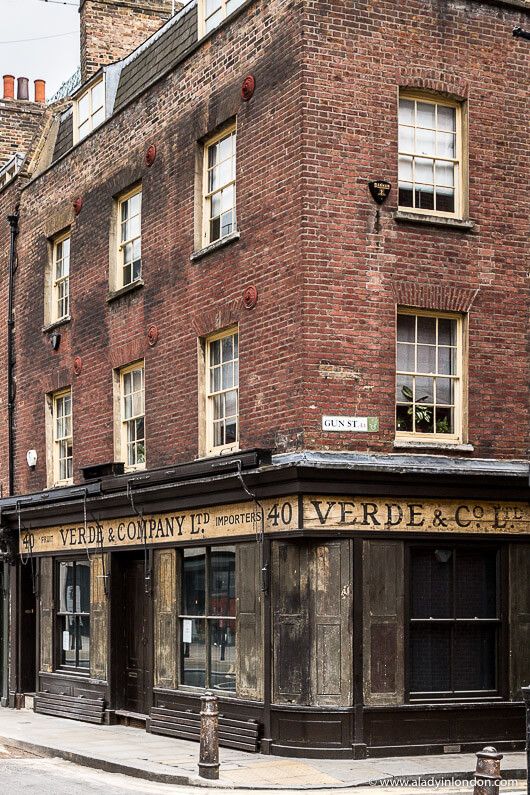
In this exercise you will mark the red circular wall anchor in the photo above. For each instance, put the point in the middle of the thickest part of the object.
(78, 205)
(250, 297)
(150, 155)
(78, 365)
(248, 88)
(152, 335)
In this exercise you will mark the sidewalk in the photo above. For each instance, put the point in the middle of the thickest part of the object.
(118, 749)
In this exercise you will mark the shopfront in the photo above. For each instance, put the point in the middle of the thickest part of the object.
(328, 623)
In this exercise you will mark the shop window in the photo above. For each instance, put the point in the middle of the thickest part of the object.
(213, 12)
(454, 621)
(129, 256)
(73, 616)
(219, 187)
(429, 376)
(430, 156)
(90, 109)
(222, 392)
(130, 433)
(62, 438)
(60, 292)
(208, 618)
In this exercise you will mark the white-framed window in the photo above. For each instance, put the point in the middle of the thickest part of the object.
(430, 156)
(129, 238)
(429, 391)
(212, 13)
(90, 109)
(62, 443)
(219, 186)
(60, 293)
(222, 391)
(132, 415)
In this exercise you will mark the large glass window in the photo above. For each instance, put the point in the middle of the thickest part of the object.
(73, 616)
(208, 618)
(429, 156)
(222, 391)
(428, 380)
(454, 620)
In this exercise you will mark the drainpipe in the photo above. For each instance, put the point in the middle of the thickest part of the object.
(13, 223)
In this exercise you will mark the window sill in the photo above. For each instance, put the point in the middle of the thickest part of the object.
(113, 295)
(56, 324)
(433, 220)
(457, 447)
(224, 241)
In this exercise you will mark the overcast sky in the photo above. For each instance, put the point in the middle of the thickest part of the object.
(26, 49)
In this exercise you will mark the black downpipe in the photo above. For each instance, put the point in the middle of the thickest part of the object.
(13, 223)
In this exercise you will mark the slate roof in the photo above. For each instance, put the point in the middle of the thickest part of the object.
(167, 49)
(65, 136)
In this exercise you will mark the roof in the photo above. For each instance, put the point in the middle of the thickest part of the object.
(65, 136)
(164, 51)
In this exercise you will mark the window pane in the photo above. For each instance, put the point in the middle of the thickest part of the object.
(406, 194)
(66, 588)
(424, 390)
(193, 652)
(82, 573)
(446, 118)
(426, 358)
(405, 169)
(426, 329)
(474, 658)
(446, 144)
(476, 584)
(447, 361)
(430, 658)
(444, 391)
(425, 144)
(404, 418)
(406, 139)
(444, 420)
(425, 115)
(97, 96)
(83, 109)
(193, 581)
(406, 111)
(84, 641)
(405, 357)
(222, 581)
(424, 198)
(445, 200)
(223, 654)
(68, 640)
(432, 583)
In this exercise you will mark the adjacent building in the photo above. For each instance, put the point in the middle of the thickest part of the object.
(276, 446)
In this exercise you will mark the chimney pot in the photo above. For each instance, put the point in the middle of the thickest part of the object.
(22, 88)
(40, 91)
(9, 87)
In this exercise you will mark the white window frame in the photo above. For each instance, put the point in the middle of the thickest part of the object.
(209, 394)
(458, 378)
(222, 7)
(59, 440)
(123, 242)
(55, 315)
(458, 160)
(207, 194)
(91, 110)
(125, 421)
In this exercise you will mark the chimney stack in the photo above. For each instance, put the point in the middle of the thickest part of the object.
(9, 87)
(22, 88)
(40, 91)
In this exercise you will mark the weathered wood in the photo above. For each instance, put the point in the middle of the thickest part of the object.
(242, 735)
(249, 623)
(46, 614)
(383, 622)
(99, 617)
(165, 618)
(519, 563)
(91, 710)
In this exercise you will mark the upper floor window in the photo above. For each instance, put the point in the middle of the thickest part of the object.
(62, 452)
(219, 203)
(90, 109)
(132, 416)
(430, 167)
(212, 12)
(429, 376)
(130, 238)
(11, 168)
(60, 299)
(222, 392)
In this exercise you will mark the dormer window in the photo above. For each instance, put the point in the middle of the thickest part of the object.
(90, 109)
(213, 12)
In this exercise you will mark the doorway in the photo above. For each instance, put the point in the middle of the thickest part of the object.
(132, 635)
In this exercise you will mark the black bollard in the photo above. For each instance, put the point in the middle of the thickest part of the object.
(488, 772)
(209, 751)
(526, 696)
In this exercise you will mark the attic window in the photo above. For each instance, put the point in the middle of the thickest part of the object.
(10, 169)
(213, 12)
(90, 109)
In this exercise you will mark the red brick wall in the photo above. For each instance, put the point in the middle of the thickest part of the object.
(19, 121)
(323, 121)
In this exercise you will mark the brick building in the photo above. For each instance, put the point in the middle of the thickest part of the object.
(277, 449)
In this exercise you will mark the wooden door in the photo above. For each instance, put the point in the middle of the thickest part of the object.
(136, 644)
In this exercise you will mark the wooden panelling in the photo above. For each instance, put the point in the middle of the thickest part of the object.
(519, 618)
(383, 605)
(46, 614)
(99, 617)
(165, 618)
(90, 710)
(240, 734)
(249, 677)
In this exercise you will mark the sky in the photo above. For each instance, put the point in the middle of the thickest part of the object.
(26, 49)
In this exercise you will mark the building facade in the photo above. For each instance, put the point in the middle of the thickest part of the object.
(276, 447)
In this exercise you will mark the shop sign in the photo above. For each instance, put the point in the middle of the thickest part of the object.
(418, 515)
(359, 424)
